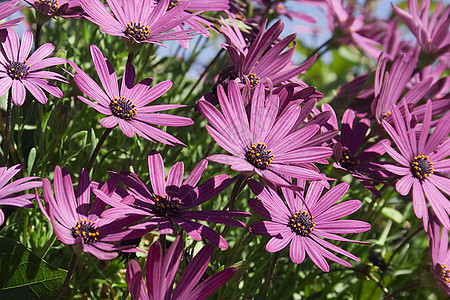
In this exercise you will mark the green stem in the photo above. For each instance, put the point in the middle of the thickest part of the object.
(64, 286)
(199, 80)
(7, 129)
(406, 288)
(37, 38)
(405, 242)
(43, 252)
(97, 148)
(270, 275)
(370, 276)
(320, 48)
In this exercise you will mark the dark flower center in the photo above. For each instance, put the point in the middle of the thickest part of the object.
(385, 115)
(348, 161)
(137, 31)
(301, 223)
(172, 4)
(86, 230)
(258, 156)
(165, 207)
(445, 273)
(47, 6)
(17, 69)
(421, 167)
(123, 108)
(254, 80)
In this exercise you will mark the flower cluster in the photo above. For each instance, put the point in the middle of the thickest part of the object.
(260, 128)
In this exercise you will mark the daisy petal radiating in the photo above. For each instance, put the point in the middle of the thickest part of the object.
(262, 146)
(126, 107)
(306, 226)
(75, 224)
(172, 201)
(11, 193)
(161, 269)
(420, 150)
(21, 71)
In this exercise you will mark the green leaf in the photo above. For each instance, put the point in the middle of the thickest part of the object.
(392, 214)
(31, 160)
(24, 275)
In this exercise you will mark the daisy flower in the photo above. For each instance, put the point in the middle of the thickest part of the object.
(305, 222)
(261, 143)
(10, 193)
(140, 21)
(19, 72)
(172, 201)
(424, 163)
(128, 107)
(75, 224)
(56, 8)
(161, 269)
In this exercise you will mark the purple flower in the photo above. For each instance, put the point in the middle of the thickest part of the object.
(75, 224)
(423, 158)
(262, 61)
(140, 21)
(440, 255)
(390, 84)
(9, 192)
(56, 8)
(162, 268)
(350, 157)
(172, 202)
(19, 72)
(305, 221)
(432, 33)
(7, 9)
(260, 143)
(351, 29)
(127, 107)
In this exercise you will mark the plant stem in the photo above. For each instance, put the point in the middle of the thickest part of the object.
(270, 275)
(200, 78)
(37, 38)
(406, 288)
(64, 286)
(7, 129)
(319, 48)
(97, 148)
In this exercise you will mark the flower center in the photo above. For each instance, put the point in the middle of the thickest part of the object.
(258, 156)
(348, 161)
(86, 230)
(165, 207)
(137, 31)
(16, 69)
(254, 80)
(172, 4)
(47, 6)
(301, 223)
(385, 115)
(421, 167)
(123, 108)
(445, 273)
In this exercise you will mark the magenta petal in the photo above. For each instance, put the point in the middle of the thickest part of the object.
(280, 241)
(18, 92)
(211, 284)
(135, 281)
(297, 250)
(157, 173)
(403, 186)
